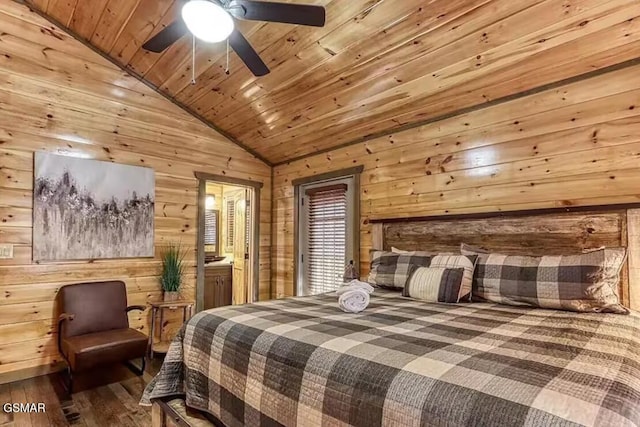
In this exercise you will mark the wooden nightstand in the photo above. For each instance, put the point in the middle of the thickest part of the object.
(163, 346)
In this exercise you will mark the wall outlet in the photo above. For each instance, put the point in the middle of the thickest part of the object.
(6, 251)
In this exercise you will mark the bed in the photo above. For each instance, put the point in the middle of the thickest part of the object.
(301, 361)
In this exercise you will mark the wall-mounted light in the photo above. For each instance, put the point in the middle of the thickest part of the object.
(210, 202)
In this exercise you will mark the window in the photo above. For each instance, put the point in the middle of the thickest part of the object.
(211, 229)
(327, 234)
(230, 220)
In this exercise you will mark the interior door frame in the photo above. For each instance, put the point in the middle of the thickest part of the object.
(243, 194)
(354, 171)
(352, 243)
(254, 254)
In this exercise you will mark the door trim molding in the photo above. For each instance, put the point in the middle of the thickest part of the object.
(297, 184)
(228, 180)
(356, 170)
(203, 177)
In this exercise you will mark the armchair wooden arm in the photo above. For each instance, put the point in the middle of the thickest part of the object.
(136, 307)
(61, 319)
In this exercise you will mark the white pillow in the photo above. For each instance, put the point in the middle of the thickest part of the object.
(467, 262)
(435, 284)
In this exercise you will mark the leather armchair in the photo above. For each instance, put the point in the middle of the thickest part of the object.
(93, 329)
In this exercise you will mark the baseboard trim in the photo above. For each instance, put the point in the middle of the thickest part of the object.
(31, 372)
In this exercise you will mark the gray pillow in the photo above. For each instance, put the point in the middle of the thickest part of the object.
(586, 282)
(392, 270)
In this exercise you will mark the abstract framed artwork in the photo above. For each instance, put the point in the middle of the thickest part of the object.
(90, 209)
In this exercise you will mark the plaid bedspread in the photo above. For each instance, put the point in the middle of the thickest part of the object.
(302, 361)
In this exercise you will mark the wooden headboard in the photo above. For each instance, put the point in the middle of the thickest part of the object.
(542, 232)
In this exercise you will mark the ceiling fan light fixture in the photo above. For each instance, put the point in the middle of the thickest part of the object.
(207, 21)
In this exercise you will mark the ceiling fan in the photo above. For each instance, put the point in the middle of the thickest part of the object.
(213, 21)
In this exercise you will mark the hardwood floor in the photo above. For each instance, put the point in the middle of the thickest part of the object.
(103, 398)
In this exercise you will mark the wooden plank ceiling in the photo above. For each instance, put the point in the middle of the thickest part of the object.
(377, 66)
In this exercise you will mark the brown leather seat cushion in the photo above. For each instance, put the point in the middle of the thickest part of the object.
(104, 348)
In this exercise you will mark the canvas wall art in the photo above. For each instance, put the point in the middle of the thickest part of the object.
(89, 209)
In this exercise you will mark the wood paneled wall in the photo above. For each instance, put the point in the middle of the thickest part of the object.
(375, 66)
(575, 145)
(59, 96)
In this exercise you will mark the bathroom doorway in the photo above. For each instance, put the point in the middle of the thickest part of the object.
(227, 235)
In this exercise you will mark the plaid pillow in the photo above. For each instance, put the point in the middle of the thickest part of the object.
(466, 262)
(434, 284)
(391, 270)
(586, 282)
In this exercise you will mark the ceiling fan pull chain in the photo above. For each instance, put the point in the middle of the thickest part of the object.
(193, 61)
(227, 69)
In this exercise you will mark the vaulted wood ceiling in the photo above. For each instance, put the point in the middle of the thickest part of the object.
(377, 66)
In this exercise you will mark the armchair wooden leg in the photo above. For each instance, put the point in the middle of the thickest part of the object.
(67, 380)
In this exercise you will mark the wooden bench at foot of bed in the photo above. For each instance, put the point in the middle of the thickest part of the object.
(173, 412)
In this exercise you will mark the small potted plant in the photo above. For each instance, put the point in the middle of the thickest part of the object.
(172, 271)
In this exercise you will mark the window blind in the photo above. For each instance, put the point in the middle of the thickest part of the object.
(327, 228)
(211, 227)
(231, 222)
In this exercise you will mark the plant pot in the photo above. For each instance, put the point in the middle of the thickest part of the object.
(171, 296)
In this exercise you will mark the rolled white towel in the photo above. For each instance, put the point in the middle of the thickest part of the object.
(355, 284)
(354, 300)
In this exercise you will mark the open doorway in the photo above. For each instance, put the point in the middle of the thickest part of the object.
(227, 236)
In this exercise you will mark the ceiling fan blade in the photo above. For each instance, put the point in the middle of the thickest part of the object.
(165, 38)
(287, 13)
(248, 54)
